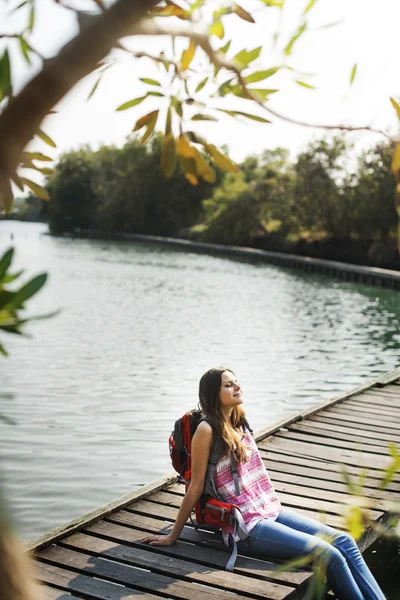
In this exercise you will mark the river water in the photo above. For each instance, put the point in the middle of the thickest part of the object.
(95, 390)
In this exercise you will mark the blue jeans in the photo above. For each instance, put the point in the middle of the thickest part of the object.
(293, 535)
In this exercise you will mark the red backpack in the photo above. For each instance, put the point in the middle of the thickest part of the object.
(210, 510)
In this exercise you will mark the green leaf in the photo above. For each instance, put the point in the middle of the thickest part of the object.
(396, 106)
(145, 120)
(201, 84)
(168, 121)
(234, 113)
(226, 88)
(200, 117)
(262, 94)
(304, 84)
(157, 94)
(309, 6)
(31, 23)
(245, 57)
(222, 161)
(11, 277)
(261, 75)
(277, 3)
(226, 47)
(168, 156)
(29, 156)
(5, 262)
(353, 74)
(150, 127)
(150, 81)
(18, 182)
(3, 351)
(298, 33)
(94, 88)
(6, 196)
(5, 76)
(27, 291)
(37, 189)
(177, 104)
(25, 48)
(131, 103)
(46, 139)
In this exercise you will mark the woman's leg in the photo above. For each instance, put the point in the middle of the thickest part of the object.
(275, 539)
(344, 543)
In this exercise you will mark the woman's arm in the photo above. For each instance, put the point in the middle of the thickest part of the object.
(201, 447)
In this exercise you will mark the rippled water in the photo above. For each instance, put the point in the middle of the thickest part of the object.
(95, 390)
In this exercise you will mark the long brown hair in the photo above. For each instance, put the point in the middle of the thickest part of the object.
(209, 390)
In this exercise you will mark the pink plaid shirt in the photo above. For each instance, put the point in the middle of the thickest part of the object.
(257, 499)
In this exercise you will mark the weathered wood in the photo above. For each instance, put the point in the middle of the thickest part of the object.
(146, 558)
(55, 534)
(89, 587)
(211, 558)
(349, 423)
(357, 411)
(332, 431)
(331, 442)
(350, 457)
(146, 581)
(378, 409)
(360, 420)
(45, 592)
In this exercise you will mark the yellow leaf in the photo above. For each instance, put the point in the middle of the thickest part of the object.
(309, 6)
(188, 55)
(6, 196)
(191, 178)
(29, 156)
(203, 168)
(168, 121)
(217, 29)
(353, 74)
(243, 14)
(37, 189)
(239, 113)
(150, 128)
(168, 156)
(396, 106)
(184, 148)
(396, 161)
(144, 120)
(222, 161)
(46, 139)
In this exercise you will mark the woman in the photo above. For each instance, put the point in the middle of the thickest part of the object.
(274, 531)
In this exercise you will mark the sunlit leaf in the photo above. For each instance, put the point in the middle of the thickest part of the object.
(184, 148)
(168, 121)
(309, 6)
(150, 128)
(226, 47)
(396, 160)
(37, 189)
(354, 521)
(243, 14)
(222, 161)
(261, 75)
(168, 156)
(234, 113)
(200, 117)
(226, 88)
(188, 55)
(131, 103)
(396, 106)
(31, 23)
(299, 32)
(3, 351)
(261, 94)
(201, 84)
(144, 120)
(45, 170)
(353, 74)
(277, 3)
(177, 104)
(304, 84)
(24, 3)
(245, 57)
(156, 94)
(150, 81)
(203, 168)
(217, 28)
(172, 10)
(15, 178)
(45, 138)
(189, 168)
(28, 156)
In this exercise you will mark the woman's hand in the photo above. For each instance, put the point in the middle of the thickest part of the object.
(159, 540)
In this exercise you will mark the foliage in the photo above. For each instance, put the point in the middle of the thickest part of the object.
(12, 300)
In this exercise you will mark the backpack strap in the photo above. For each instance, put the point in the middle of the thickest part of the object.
(240, 529)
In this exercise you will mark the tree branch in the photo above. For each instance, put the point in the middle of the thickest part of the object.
(24, 113)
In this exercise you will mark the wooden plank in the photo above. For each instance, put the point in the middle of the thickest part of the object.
(332, 431)
(382, 418)
(89, 587)
(387, 378)
(360, 420)
(210, 557)
(331, 468)
(44, 592)
(377, 409)
(323, 453)
(176, 567)
(368, 427)
(332, 442)
(138, 579)
(90, 517)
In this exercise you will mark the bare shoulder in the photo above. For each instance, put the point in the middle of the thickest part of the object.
(203, 435)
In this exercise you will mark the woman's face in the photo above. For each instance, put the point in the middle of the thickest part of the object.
(230, 394)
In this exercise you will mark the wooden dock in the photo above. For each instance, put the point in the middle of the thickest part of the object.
(98, 555)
